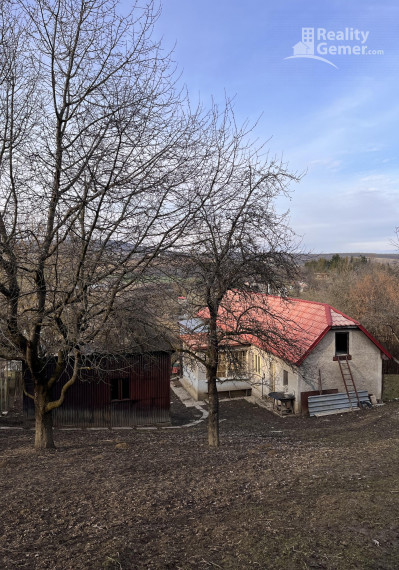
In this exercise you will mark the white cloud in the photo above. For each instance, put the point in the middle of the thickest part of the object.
(347, 213)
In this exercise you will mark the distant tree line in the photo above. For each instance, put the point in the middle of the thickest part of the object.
(336, 263)
(368, 292)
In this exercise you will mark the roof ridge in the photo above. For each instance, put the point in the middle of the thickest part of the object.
(320, 303)
(295, 299)
(328, 315)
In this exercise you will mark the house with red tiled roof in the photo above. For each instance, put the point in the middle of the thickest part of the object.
(290, 347)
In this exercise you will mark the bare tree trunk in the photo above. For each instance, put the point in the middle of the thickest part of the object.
(213, 418)
(44, 420)
(111, 158)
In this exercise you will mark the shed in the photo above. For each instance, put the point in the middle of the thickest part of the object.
(120, 391)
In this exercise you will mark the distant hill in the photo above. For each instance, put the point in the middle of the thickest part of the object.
(384, 258)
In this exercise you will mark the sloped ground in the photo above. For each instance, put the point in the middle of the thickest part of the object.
(279, 493)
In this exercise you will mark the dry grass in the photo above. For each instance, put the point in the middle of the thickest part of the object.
(279, 493)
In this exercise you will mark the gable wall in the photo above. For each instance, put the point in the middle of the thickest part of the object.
(366, 365)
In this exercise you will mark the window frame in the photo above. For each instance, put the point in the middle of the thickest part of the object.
(256, 363)
(232, 364)
(285, 378)
(222, 365)
(118, 387)
(341, 334)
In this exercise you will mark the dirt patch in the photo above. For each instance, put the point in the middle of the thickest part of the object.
(279, 493)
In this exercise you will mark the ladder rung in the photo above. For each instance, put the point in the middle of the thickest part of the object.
(348, 380)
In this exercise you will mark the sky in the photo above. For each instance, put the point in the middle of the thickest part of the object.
(333, 117)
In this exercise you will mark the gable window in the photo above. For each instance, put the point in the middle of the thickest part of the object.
(120, 389)
(285, 378)
(341, 343)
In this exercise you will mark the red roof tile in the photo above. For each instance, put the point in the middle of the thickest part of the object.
(288, 328)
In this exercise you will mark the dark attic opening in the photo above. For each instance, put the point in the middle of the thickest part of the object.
(341, 343)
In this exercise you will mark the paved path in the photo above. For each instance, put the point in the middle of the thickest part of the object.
(189, 402)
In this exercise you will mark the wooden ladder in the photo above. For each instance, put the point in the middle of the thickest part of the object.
(347, 377)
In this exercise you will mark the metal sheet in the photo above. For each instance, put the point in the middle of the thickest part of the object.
(334, 402)
(89, 403)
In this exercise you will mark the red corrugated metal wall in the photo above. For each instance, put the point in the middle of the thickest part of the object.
(88, 402)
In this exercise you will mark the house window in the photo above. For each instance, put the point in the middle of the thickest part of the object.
(341, 343)
(239, 361)
(285, 378)
(222, 365)
(120, 389)
(232, 363)
(256, 363)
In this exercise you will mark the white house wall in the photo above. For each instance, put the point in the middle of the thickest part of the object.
(271, 377)
(194, 380)
(366, 365)
(194, 377)
(260, 381)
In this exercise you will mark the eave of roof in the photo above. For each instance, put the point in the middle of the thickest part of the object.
(311, 348)
(375, 341)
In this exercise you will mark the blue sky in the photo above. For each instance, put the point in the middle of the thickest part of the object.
(339, 124)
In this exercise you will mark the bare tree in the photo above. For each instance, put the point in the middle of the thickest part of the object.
(96, 151)
(237, 241)
(369, 292)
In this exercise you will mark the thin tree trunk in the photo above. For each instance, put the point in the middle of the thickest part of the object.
(213, 418)
(212, 368)
(44, 420)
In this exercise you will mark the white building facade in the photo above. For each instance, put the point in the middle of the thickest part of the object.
(251, 369)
